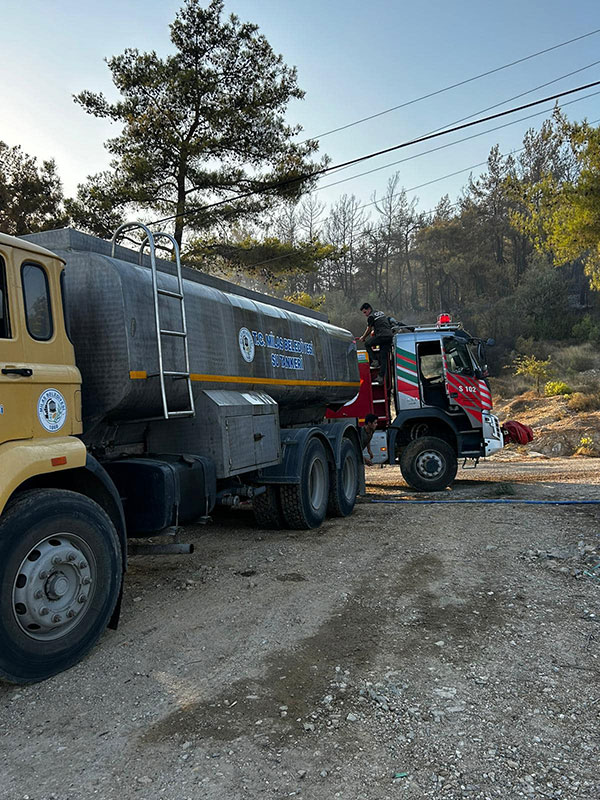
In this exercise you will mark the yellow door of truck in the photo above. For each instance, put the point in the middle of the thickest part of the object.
(15, 375)
(39, 382)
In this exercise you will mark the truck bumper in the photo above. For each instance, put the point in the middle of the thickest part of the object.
(492, 434)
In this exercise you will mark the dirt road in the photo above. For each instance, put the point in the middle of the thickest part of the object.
(444, 651)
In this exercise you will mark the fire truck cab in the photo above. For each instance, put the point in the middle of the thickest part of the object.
(434, 404)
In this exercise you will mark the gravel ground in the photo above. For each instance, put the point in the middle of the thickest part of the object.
(441, 651)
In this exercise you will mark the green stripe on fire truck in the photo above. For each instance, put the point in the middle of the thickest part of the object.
(406, 354)
(405, 375)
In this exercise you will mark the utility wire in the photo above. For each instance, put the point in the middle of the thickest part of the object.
(453, 86)
(489, 108)
(367, 157)
(449, 144)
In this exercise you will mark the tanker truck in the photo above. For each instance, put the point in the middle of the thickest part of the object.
(135, 396)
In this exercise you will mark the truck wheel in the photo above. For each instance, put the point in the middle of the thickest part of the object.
(60, 577)
(267, 508)
(304, 505)
(428, 464)
(344, 482)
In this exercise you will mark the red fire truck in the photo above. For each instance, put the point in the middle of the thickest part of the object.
(434, 404)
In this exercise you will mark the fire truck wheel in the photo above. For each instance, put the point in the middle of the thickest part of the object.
(304, 505)
(428, 464)
(267, 508)
(60, 577)
(344, 482)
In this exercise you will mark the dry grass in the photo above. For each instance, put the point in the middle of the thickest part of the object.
(584, 401)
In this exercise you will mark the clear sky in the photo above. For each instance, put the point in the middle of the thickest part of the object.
(354, 59)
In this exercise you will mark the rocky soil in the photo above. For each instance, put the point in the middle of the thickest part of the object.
(411, 651)
(558, 430)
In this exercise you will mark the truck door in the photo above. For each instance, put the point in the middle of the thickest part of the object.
(14, 389)
(462, 384)
(54, 399)
(39, 381)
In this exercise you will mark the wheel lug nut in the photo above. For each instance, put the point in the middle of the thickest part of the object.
(86, 580)
(82, 565)
(82, 598)
(44, 611)
(38, 594)
(70, 613)
(56, 618)
(56, 559)
(43, 575)
(71, 557)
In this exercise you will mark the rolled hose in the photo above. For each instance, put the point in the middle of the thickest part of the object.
(497, 501)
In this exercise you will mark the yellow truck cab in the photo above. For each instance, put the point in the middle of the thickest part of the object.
(61, 554)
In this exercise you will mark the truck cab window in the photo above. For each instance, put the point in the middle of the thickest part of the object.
(36, 294)
(457, 357)
(4, 318)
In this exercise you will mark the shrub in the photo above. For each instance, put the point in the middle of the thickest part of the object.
(533, 368)
(584, 402)
(553, 388)
(587, 329)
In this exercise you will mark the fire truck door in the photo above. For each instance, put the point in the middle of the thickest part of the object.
(462, 384)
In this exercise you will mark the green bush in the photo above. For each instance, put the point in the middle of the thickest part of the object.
(584, 402)
(553, 388)
(587, 330)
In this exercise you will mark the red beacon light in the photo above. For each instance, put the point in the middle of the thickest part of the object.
(444, 319)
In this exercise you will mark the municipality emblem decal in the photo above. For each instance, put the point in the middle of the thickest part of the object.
(246, 343)
(52, 410)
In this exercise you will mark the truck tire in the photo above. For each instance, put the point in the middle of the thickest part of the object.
(344, 482)
(428, 464)
(267, 508)
(61, 571)
(304, 505)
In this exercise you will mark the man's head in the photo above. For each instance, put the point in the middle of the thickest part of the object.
(366, 309)
(371, 422)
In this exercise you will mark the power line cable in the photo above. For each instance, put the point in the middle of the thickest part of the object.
(453, 86)
(368, 156)
(495, 105)
(449, 144)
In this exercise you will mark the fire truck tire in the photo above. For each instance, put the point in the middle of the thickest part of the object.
(267, 508)
(428, 464)
(61, 571)
(304, 505)
(344, 482)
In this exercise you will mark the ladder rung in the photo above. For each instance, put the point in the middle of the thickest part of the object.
(177, 374)
(167, 293)
(173, 333)
(187, 413)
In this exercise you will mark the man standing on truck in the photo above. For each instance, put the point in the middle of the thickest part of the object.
(378, 332)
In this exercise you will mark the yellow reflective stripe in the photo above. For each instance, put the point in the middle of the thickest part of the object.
(269, 381)
(247, 379)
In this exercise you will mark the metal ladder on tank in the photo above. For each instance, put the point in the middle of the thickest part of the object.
(150, 241)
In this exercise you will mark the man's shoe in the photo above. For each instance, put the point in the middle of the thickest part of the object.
(374, 364)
